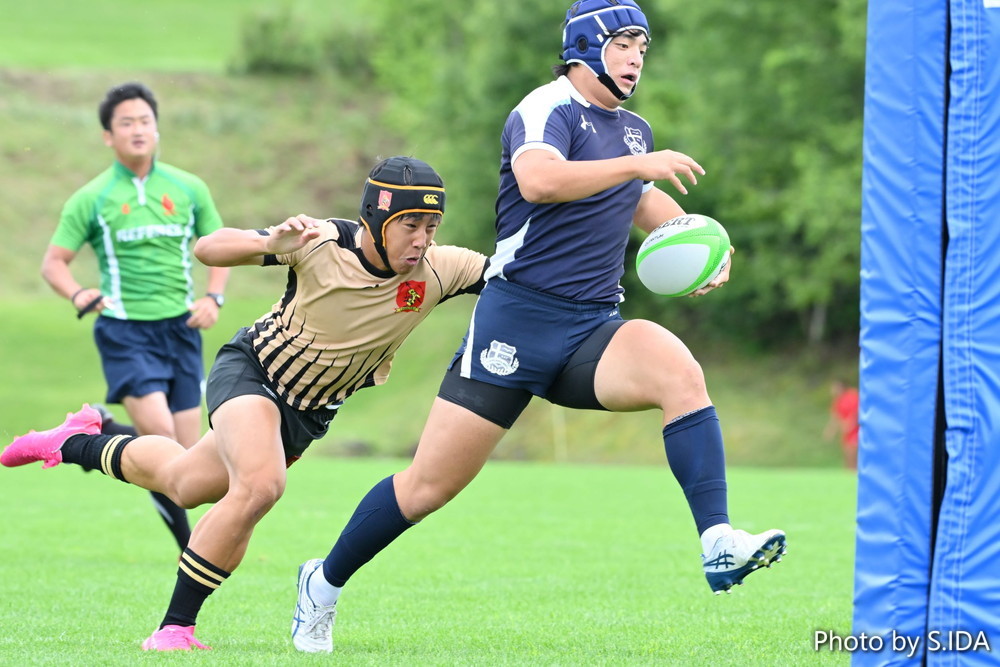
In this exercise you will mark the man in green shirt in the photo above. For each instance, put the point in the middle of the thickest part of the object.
(140, 217)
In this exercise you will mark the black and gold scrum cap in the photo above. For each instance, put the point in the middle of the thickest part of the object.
(396, 186)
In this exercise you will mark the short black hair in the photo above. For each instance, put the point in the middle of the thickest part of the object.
(561, 69)
(118, 94)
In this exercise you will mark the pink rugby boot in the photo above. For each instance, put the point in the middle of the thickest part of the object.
(173, 638)
(45, 445)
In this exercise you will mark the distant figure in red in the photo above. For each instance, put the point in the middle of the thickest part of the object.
(844, 418)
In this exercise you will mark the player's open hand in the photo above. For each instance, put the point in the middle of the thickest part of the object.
(720, 279)
(293, 234)
(667, 165)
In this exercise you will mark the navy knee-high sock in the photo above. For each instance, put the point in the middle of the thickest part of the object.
(376, 522)
(694, 451)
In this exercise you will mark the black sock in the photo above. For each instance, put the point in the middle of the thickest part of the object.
(196, 580)
(376, 522)
(695, 453)
(97, 452)
(175, 517)
(111, 427)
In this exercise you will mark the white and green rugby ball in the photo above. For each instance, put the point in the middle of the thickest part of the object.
(682, 255)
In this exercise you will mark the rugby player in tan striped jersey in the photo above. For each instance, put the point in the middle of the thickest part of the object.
(355, 291)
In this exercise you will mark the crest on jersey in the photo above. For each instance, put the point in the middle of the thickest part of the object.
(410, 295)
(634, 141)
(500, 358)
(384, 200)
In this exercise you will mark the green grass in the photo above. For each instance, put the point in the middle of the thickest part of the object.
(182, 35)
(533, 564)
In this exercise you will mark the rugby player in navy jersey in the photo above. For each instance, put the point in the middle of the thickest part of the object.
(277, 385)
(577, 171)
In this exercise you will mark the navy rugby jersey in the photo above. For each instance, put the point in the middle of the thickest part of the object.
(574, 250)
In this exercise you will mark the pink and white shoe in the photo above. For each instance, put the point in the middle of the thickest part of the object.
(173, 638)
(45, 445)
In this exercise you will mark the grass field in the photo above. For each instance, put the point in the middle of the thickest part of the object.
(533, 564)
(182, 35)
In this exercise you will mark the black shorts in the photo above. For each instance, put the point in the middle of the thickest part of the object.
(142, 357)
(236, 372)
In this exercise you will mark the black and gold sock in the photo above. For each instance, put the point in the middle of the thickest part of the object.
(97, 452)
(196, 580)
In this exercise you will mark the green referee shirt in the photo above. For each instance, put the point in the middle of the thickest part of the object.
(141, 231)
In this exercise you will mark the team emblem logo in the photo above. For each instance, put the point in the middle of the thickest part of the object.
(634, 141)
(168, 205)
(500, 358)
(384, 200)
(409, 296)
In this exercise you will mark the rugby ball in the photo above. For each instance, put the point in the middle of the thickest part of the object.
(682, 255)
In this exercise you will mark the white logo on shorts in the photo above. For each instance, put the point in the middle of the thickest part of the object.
(500, 359)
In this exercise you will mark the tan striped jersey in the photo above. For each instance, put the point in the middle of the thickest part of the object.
(341, 320)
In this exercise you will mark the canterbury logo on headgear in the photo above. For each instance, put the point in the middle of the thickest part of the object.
(396, 187)
(398, 200)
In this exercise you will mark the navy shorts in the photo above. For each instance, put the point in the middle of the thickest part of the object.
(237, 372)
(140, 358)
(523, 339)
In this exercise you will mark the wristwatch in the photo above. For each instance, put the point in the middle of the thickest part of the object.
(217, 298)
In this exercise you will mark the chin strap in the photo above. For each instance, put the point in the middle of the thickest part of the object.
(380, 249)
(615, 90)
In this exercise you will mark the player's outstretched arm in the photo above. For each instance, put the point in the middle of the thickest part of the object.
(238, 247)
(545, 178)
(655, 207)
(667, 165)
